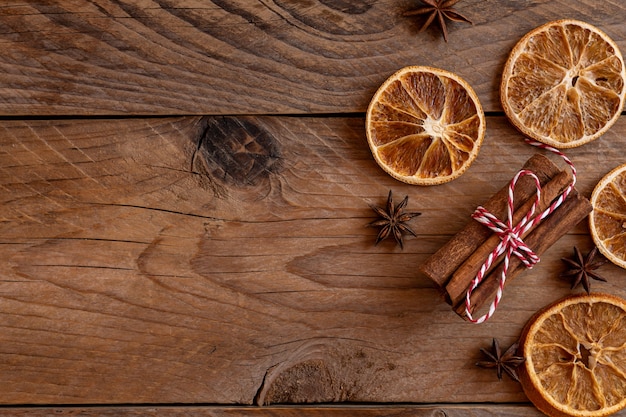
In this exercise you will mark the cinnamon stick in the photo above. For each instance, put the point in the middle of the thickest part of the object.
(463, 276)
(440, 266)
(573, 210)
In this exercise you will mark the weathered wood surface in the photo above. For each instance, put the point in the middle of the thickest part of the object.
(251, 57)
(143, 261)
(209, 260)
(283, 411)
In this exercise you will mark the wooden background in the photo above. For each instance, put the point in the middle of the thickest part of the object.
(184, 190)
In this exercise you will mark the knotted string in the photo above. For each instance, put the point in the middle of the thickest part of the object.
(510, 235)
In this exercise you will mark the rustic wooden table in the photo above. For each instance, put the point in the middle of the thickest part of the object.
(184, 190)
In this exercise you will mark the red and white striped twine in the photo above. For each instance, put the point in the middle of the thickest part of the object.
(511, 242)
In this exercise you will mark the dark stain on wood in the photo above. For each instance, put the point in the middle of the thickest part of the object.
(236, 151)
(349, 6)
(335, 17)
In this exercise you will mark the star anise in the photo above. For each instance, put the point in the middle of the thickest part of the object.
(440, 9)
(507, 362)
(581, 270)
(392, 220)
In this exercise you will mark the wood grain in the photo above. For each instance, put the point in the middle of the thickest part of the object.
(180, 260)
(284, 411)
(138, 266)
(195, 57)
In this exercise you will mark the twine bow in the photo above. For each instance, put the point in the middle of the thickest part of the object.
(511, 242)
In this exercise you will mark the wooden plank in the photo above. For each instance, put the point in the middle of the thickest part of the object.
(284, 411)
(106, 57)
(163, 261)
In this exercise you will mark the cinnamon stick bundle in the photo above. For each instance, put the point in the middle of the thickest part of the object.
(443, 263)
(574, 209)
(453, 267)
(465, 273)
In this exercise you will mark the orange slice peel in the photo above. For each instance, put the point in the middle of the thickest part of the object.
(564, 83)
(607, 222)
(425, 125)
(575, 357)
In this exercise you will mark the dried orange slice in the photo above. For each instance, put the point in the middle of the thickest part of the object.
(607, 222)
(564, 83)
(425, 125)
(575, 352)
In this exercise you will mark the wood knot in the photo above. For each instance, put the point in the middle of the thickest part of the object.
(317, 372)
(236, 151)
(306, 382)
